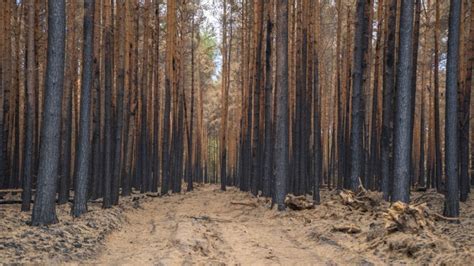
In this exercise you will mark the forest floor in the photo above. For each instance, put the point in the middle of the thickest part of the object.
(208, 226)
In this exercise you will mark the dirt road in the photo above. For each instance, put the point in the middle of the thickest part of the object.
(208, 226)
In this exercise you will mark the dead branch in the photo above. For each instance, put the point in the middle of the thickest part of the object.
(349, 229)
(298, 202)
(249, 204)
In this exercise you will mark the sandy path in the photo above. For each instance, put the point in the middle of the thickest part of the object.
(204, 227)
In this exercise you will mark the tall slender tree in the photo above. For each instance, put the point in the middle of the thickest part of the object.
(44, 211)
(357, 150)
(438, 154)
(257, 87)
(386, 149)
(268, 136)
(225, 102)
(318, 153)
(190, 159)
(465, 116)
(402, 125)
(281, 123)
(108, 83)
(118, 130)
(30, 109)
(84, 147)
(374, 171)
(96, 154)
(156, 100)
(67, 109)
(416, 44)
(170, 68)
(452, 141)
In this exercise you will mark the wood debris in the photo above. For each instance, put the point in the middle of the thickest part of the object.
(408, 218)
(298, 203)
(244, 203)
(349, 229)
(363, 200)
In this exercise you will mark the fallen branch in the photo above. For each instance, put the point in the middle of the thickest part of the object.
(451, 219)
(209, 219)
(249, 204)
(201, 218)
(349, 229)
(298, 203)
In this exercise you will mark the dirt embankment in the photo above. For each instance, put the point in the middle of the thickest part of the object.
(208, 226)
(69, 240)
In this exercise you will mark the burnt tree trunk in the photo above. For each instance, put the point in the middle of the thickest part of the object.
(388, 103)
(281, 105)
(452, 140)
(44, 211)
(357, 149)
(84, 147)
(30, 109)
(403, 109)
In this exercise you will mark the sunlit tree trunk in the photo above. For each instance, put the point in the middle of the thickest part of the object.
(224, 102)
(119, 106)
(416, 41)
(108, 72)
(169, 87)
(438, 155)
(317, 111)
(374, 172)
(268, 136)
(258, 72)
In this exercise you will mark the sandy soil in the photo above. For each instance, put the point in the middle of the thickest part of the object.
(208, 226)
(69, 240)
(205, 227)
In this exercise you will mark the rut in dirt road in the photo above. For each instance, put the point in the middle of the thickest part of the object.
(206, 227)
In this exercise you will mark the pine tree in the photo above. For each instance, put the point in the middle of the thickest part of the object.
(388, 102)
(30, 110)
(281, 122)
(84, 146)
(452, 140)
(402, 122)
(357, 101)
(44, 211)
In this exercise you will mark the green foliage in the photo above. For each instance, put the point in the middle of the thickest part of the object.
(208, 43)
